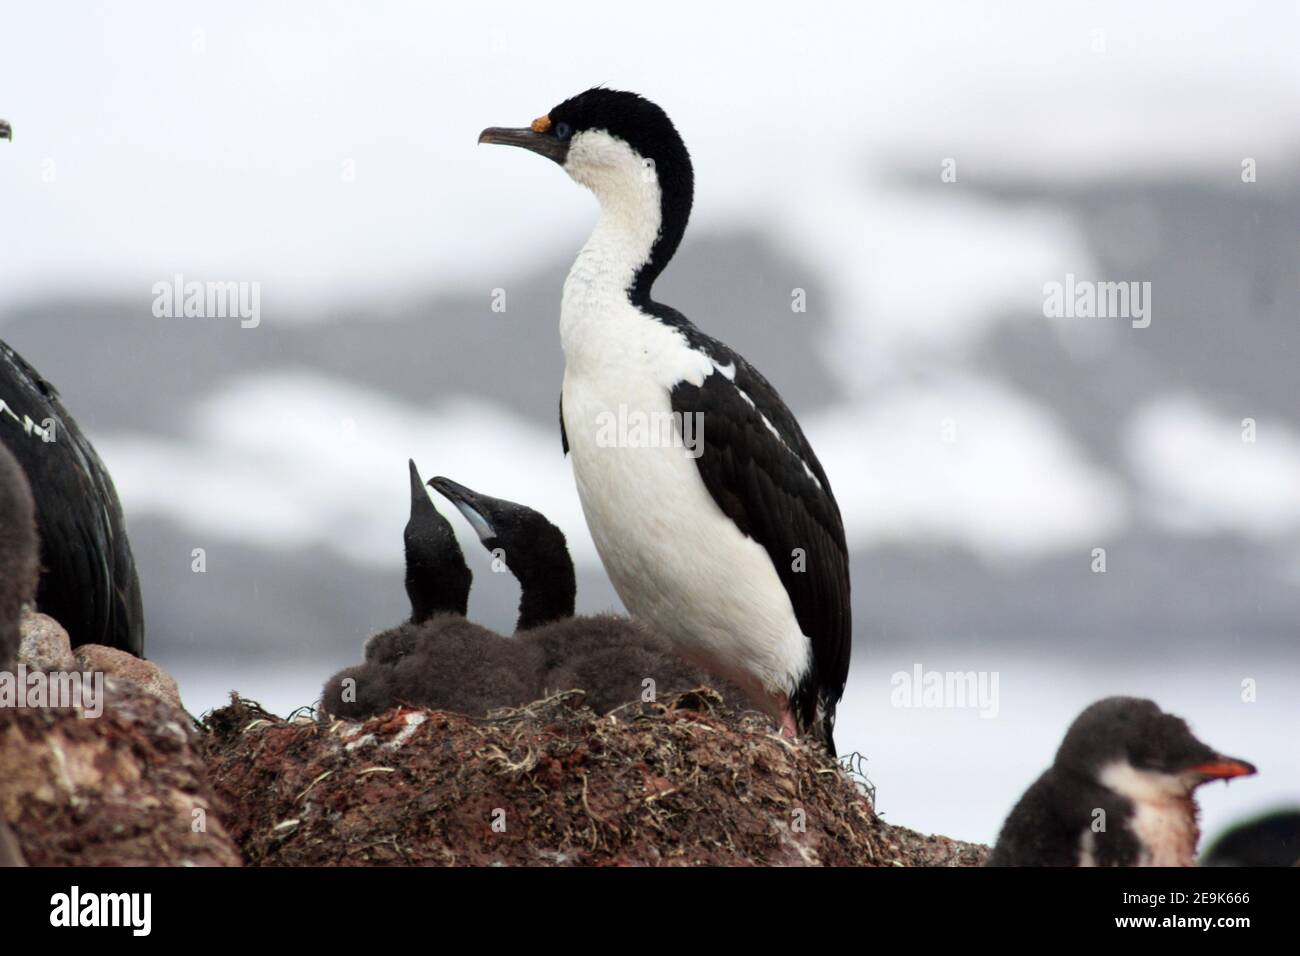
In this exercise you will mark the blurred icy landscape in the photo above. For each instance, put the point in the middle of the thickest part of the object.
(328, 153)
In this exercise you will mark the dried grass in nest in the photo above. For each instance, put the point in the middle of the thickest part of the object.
(681, 781)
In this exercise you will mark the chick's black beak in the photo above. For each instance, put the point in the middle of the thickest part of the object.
(546, 144)
(469, 502)
(417, 483)
(451, 490)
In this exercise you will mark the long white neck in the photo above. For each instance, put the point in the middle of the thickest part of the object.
(596, 290)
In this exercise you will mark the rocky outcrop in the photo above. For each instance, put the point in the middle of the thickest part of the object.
(111, 780)
(121, 789)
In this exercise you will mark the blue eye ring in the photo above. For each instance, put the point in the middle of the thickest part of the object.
(563, 131)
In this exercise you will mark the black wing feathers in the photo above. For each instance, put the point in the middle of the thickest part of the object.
(759, 481)
(88, 581)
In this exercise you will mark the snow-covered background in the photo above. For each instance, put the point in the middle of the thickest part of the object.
(980, 451)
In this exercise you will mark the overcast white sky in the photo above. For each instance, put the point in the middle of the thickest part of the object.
(212, 138)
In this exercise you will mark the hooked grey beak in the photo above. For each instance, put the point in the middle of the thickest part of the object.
(469, 504)
(545, 144)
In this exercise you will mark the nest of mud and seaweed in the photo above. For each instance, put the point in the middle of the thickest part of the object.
(678, 782)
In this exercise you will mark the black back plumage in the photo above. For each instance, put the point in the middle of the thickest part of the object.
(760, 482)
(88, 578)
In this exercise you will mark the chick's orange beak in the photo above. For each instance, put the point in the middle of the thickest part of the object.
(1223, 768)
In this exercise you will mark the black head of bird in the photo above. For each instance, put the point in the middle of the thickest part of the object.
(437, 578)
(6, 131)
(626, 150)
(530, 546)
(1131, 746)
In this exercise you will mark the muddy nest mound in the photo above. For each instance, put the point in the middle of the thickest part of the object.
(680, 782)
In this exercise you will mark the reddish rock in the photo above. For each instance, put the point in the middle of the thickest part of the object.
(45, 645)
(125, 788)
(145, 674)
